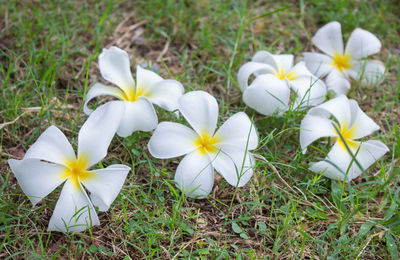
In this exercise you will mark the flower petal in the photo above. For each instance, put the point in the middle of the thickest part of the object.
(99, 89)
(314, 127)
(338, 160)
(337, 82)
(171, 140)
(284, 61)
(370, 151)
(114, 67)
(138, 116)
(200, 109)
(37, 178)
(73, 212)
(329, 38)
(310, 91)
(165, 94)
(266, 58)
(250, 68)
(105, 185)
(195, 175)
(339, 107)
(362, 43)
(98, 130)
(370, 72)
(281, 61)
(319, 64)
(336, 164)
(52, 146)
(238, 130)
(234, 164)
(301, 70)
(362, 125)
(145, 79)
(267, 95)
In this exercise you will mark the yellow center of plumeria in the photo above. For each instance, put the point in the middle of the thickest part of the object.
(348, 135)
(205, 143)
(341, 62)
(282, 74)
(133, 95)
(77, 170)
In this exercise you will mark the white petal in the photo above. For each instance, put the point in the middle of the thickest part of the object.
(98, 130)
(362, 44)
(238, 130)
(200, 109)
(281, 61)
(165, 94)
(284, 61)
(99, 89)
(74, 212)
(370, 72)
(145, 79)
(367, 154)
(370, 151)
(329, 38)
(195, 175)
(52, 146)
(266, 58)
(267, 95)
(353, 71)
(250, 68)
(171, 140)
(105, 184)
(339, 107)
(319, 64)
(337, 82)
(336, 164)
(138, 116)
(313, 128)
(114, 67)
(301, 70)
(362, 125)
(234, 164)
(310, 91)
(36, 178)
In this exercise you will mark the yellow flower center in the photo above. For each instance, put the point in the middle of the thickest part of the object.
(77, 170)
(281, 74)
(133, 95)
(205, 143)
(341, 62)
(348, 135)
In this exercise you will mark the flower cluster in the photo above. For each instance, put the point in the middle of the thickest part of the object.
(339, 118)
(51, 160)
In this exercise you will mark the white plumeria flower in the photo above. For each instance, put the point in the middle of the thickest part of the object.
(341, 118)
(339, 64)
(275, 76)
(50, 161)
(150, 88)
(226, 150)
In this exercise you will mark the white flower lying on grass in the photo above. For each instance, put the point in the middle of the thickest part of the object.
(275, 76)
(150, 88)
(341, 64)
(50, 161)
(226, 150)
(343, 120)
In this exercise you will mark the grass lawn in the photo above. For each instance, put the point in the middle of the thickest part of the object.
(48, 61)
